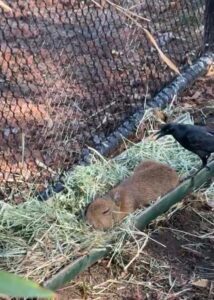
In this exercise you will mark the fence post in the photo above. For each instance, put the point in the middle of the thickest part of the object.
(209, 25)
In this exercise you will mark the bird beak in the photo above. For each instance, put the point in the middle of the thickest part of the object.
(159, 134)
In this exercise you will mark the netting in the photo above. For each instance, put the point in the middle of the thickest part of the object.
(73, 71)
(209, 26)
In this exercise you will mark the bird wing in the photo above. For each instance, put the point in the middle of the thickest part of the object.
(204, 129)
(210, 131)
(199, 140)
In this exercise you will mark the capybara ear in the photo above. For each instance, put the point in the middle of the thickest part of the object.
(96, 196)
(117, 198)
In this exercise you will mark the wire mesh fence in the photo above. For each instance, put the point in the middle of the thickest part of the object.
(73, 71)
(209, 26)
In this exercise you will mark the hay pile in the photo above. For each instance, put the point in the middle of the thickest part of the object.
(37, 239)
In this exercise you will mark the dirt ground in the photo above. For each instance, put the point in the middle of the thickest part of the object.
(199, 100)
(178, 261)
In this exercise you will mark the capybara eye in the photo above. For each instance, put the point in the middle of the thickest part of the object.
(106, 211)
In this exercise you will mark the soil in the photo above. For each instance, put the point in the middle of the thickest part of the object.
(199, 100)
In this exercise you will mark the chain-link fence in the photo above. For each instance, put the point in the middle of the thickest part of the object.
(73, 71)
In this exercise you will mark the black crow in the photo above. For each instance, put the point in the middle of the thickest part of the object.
(197, 139)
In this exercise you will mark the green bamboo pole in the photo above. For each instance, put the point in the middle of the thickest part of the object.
(76, 267)
(68, 273)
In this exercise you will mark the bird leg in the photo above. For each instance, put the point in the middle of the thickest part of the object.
(204, 160)
(204, 165)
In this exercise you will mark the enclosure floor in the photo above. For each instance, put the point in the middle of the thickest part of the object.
(181, 256)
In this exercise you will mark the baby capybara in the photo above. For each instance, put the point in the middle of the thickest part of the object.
(149, 181)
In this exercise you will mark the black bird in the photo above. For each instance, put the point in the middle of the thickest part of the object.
(197, 139)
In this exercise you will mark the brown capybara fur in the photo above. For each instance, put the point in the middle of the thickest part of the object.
(149, 181)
